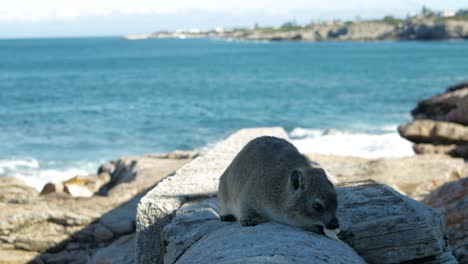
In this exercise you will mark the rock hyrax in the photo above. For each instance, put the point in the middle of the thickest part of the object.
(270, 180)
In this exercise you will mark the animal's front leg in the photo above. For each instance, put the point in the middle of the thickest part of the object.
(249, 217)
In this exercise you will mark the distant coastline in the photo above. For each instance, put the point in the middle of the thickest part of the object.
(428, 25)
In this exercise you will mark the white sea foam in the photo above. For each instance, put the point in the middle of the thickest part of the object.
(344, 143)
(386, 143)
(13, 164)
(37, 174)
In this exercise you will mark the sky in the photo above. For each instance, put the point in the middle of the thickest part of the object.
(65, 18)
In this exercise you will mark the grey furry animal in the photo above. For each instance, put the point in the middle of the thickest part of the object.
(270, 180)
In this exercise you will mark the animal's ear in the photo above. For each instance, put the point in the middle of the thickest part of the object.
(297, 179)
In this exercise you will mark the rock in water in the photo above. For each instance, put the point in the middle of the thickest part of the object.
(451, 106)
(440, 121)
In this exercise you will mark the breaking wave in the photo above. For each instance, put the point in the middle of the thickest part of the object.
(386, 143)
(37, 173)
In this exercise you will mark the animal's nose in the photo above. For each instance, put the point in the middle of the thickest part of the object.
(333, 224)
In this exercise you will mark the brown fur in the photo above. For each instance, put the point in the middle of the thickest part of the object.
(270, 180)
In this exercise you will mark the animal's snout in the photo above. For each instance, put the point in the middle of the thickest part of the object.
(333, 224)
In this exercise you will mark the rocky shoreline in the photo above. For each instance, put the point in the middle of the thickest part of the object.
(92, 219)
(76, 221)
(411, 29)
(55, 227)
(177, 223)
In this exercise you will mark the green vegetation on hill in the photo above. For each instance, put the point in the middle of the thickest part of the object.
(392, 20)
(426, 14)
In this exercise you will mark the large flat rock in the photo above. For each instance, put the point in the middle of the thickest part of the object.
(198, 178)
(196, 235)
(378, 223)
(15, 191)
(435, 132)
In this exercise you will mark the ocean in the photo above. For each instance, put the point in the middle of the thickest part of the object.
(68, 105)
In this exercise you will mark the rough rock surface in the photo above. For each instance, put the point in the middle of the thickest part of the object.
(386, 227)
(362, 31)
(436, 132)
(178, 154)
(427, 29)
(452, 150)
(377, 222)
(450, 106)
(56, 228)
(13, 256)
(122, 251)
(424, 148)
(85, 186)
(196, 228)
(380, 224)
(453, 198)
(440, 123)
(414, 176)
(198, 178)
(15, 191)
(52, 187)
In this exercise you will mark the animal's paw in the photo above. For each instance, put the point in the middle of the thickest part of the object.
(248, 222)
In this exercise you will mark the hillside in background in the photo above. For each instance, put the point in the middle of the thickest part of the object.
(428, 25)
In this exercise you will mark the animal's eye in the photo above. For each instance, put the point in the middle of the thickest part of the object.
(318, 207)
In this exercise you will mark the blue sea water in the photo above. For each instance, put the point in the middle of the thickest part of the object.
(67, 105)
